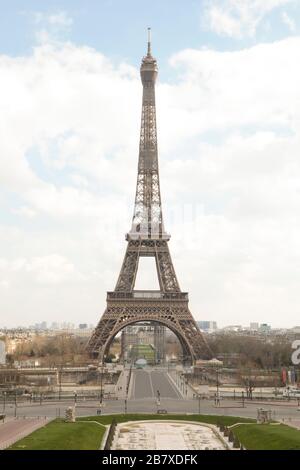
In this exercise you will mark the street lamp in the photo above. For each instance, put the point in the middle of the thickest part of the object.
(59, 382)
(4, 401)
(15, 402)
(217, 372)
(199, 403)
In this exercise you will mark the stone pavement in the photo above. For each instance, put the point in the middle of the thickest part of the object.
(13, 430)
(167, 435)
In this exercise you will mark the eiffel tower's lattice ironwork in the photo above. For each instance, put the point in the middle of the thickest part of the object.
(147, 237)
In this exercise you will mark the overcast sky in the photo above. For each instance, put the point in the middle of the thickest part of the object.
(228, 111)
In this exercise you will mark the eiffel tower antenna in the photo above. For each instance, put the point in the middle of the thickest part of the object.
(147, 237)
(149, 42)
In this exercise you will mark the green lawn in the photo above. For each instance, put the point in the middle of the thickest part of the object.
(268, 437)
(58, 435)
(143, 351)
(82, 435)
(211, 419)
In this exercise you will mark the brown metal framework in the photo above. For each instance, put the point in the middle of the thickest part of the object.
(147, 237)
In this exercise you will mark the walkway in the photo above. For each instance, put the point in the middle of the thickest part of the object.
(15, 429)
(293, 422)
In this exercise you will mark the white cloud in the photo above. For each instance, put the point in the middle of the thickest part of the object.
(4, 284)
(53, 269)
(239, 18)
(288, 21)
(49, 269)
(51, 26)
(60, 19)
(229, 140)
(25, 211)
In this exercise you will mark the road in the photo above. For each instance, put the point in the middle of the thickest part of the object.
(142, 398)
(146, 384)
(149, 405)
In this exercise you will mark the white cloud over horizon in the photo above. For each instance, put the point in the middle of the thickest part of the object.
(229, 138)
(51, 26)
(241, 18)
(288, 21)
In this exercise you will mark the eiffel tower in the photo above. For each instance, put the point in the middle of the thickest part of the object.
(147, 237)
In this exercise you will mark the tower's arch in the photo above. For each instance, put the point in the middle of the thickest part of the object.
(171, 312)
(187, 353)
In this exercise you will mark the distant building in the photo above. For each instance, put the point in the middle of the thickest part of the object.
(27, 363)
(254, 326)
(80, 332)
(67, 326)
(83, 326)
(2, 353)
(230, 359)
(265, 328)
(207, 326)
(144, 334)
(233, 328)
(39, 326)
(295, 329)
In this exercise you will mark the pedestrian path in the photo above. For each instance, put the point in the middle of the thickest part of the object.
(293, 422)
(15, 429)
(121, 385)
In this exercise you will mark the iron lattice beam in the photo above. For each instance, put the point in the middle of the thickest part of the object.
(147, 237)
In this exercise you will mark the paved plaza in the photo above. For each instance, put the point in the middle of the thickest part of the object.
(150, 435)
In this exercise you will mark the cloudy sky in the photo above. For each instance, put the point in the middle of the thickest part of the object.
(228, 105)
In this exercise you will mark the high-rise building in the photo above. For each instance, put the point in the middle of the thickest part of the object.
(207, 326)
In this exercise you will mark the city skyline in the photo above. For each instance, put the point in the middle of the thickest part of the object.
(52, 325)
(229, 135)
